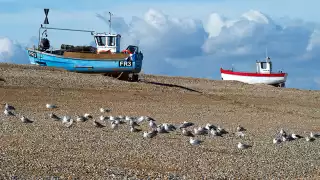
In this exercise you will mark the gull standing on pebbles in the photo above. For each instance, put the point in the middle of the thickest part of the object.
(210, 126)
(80, 119)
(161, 129)
(50, 106)
(69, 123)
(214, 133)
(88, 116)
(8, 107)
(199, 131)
(152, 124)
(194, 141)
(133, 123)
(150, 134)
(169, 127)
(25, 120)
(66, 119)
(185, 124)
(242, 146)
(295, 136)
(276, 141)
(104, 110)
(102, 118)
(240, 134)
(8, 113)
(186, 132)
(240, 128)
(114, 125)
(282, 132)
(53, 116)
(133, 129)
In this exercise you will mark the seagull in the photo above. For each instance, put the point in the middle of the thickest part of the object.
(69, 123)
(8, 107)
(53, 116)
(276, 141)
(161, 129)
(114, 125)
(194, 141)
(102, 118)
(66, 119)
(81, 119)
(199, 131)
(133, 123)
(282, 132)
(240, 134)
(242, 146)
(312, 135)
(150, 134)
(25, 120)
(111, 118)
(98, 124)
(309, 139)
(214, 132)
(221, 130)
(295, 136)
(185, 124)
(133, 129)
(240, 128)
(104, 110)
(88, 116)
(152, 124)
(186, 132)
(210, 126)
(8, 113)
(50, 106)
(169, 127)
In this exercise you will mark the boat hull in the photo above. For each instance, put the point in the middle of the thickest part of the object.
(114, 65)
(254, 78)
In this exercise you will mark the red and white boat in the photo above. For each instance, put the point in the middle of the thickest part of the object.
(263, 75)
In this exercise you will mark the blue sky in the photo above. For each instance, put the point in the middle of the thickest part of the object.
(215, 32)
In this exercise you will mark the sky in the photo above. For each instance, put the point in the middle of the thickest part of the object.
(181, 38)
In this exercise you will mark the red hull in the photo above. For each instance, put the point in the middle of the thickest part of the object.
(224, 71)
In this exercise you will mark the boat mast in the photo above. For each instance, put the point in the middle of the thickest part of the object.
(110, 14)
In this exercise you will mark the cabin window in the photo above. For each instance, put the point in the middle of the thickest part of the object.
(111, 41)
(263, 65)
(101, 40)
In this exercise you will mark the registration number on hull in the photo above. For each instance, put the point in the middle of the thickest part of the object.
(32, 54)
(125, 63)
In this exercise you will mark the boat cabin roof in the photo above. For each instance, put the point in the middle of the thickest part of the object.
(105, 34)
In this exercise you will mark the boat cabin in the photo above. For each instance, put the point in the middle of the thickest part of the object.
(264, 67)
(107, 42)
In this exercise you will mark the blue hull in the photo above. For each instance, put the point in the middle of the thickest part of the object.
(85, 65)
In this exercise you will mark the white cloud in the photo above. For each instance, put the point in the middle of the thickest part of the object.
(190, 47)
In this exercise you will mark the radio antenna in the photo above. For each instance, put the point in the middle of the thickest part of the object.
(110, 14)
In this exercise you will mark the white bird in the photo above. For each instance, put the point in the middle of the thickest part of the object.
(240, 134)
(66, 119)
(312, 135)
(80, 119)
(53, 116)
(8, 107)
(114, 125)
(221, 130)
(214, 132)
(88, 116)
(133, 129)
(169, 127)
(295, 136)
(8, 113)
(152, 124)
(69, 123)
(199, 131)
(242, 146)
(185, 124)
(186, 132)
(210, 126)
(50, 106)
(111, 118)
(133, 123)
(309, 139)
(161, 129)
(276, 141)
(240, 128)
(25, 120)
(194, 141)
(102, 118)
(150, 134)
(282, 132)
(104, 110)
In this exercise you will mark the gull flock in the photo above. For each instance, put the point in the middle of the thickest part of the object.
(135, 122)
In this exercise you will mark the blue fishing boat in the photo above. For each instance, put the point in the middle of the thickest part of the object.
(106, 57)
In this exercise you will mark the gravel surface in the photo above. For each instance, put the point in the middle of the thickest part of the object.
(46, 148)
